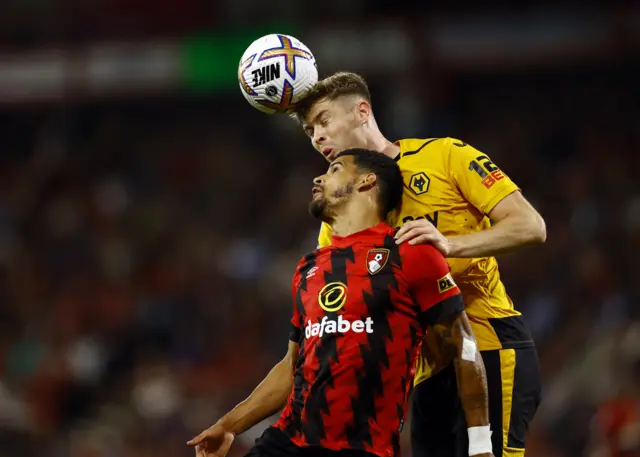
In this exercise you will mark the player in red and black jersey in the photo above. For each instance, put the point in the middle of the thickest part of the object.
(361, 309)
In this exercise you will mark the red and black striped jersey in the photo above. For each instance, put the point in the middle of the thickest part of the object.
(361, 308)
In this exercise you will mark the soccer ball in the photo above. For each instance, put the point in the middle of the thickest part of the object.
(276, 72)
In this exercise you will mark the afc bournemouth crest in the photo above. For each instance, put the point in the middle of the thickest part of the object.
(376, 260)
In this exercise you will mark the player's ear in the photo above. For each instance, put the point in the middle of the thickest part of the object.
(363, 110)
(366, 181)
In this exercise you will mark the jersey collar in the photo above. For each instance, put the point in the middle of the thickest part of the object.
(371, 234)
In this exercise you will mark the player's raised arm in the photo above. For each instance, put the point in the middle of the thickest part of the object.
(442, 311)
(516, 223)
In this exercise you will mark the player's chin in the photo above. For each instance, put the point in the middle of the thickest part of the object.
(317, 208)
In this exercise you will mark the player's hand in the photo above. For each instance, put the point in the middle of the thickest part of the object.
(213, 442)
(422, 231)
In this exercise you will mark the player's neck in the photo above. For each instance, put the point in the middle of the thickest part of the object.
(355, 216)
(391, 150)
(377, 142)
(348, 226)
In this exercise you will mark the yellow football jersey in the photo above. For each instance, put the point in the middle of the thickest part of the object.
(455, 186)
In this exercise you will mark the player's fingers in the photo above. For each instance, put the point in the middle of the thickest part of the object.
(401, 231)
(197, 440)
(421, 226)
(405, 228)
(226, 444)
(407, 236)
(401, 239)
(411, 234)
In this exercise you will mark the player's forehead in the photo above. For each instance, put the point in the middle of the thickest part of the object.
(346, 161)
(319, 108)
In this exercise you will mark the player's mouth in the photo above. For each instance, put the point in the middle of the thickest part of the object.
(328, 153)
(315, 191)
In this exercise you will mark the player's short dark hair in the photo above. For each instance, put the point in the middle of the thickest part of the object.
(388, 173)
(332, 87)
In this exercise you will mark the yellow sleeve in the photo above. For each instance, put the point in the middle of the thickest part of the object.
(480, 181)
(324, 237)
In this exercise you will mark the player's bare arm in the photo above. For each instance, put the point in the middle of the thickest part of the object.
(516, 224)
(459, 344)
(270, 395)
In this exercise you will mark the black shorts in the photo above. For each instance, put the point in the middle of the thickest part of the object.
(438, 426)
(274, 443)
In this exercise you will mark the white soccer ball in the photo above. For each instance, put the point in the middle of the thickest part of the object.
(276, 72)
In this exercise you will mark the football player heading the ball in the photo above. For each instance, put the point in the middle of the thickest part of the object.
(452, 194)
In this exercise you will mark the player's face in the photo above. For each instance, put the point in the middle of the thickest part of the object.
(333, 188)
(335, 125)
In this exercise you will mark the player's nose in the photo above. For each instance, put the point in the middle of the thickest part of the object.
(319, 139)
(317, 180)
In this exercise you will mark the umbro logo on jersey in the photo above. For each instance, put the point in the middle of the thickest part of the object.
(311, 272)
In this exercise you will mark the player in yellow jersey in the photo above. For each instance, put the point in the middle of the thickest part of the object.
(452, 193)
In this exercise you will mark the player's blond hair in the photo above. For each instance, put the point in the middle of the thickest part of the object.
(332, 87)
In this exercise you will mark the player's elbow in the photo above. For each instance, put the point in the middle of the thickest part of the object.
(529, 228)
(537, 229)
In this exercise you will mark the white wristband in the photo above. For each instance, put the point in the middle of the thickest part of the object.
(479, 440)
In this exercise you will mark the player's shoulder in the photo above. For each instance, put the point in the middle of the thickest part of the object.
(414, 146)
(422, 262)
(419, 253)
(310, 260)
(430, 153)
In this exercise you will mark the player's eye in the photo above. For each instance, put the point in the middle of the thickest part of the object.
(309, 131)
(324, 122)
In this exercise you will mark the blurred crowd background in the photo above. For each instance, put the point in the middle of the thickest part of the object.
(150, 219)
